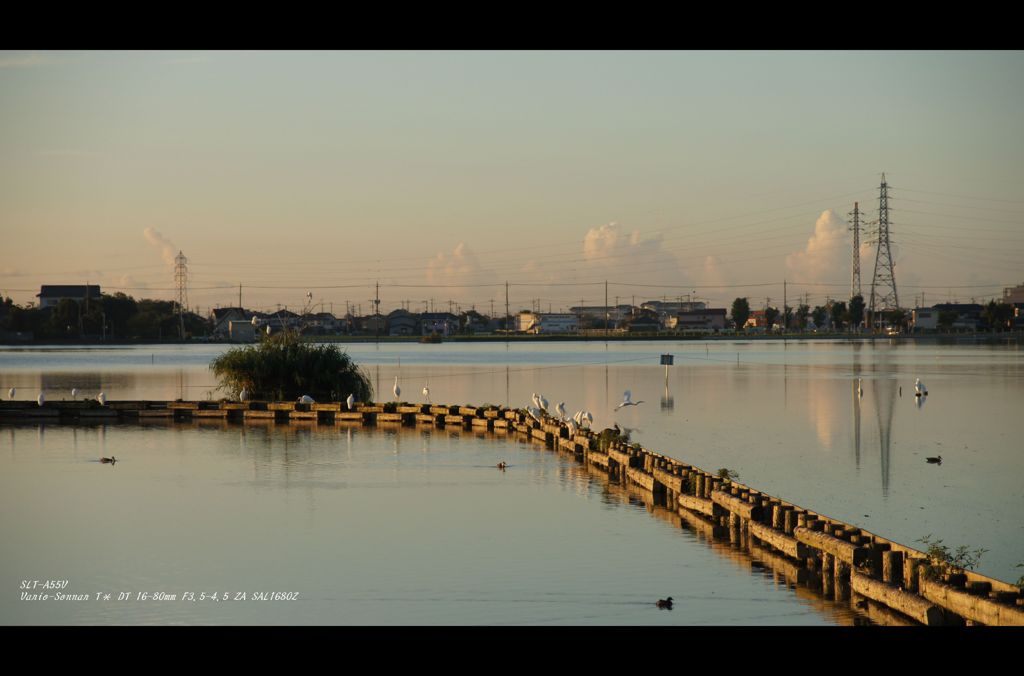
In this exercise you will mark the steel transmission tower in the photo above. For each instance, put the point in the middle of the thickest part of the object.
(855, 282)
(181, 281)
(883, 283)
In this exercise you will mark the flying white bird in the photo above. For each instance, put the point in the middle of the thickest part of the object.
(41, 399)
(627, 400)
(102, 398)
(396, 389)
(350, 400)
(306, 399)
(560, 410)
(919, 389)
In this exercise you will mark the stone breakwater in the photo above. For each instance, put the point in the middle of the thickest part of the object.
(889, 582)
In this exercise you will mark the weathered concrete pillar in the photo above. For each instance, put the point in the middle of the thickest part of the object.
(828, 580)
(778, 518)
(892, 567)
(789, 520)
(699, 485)
(801, 520)
(842, 580)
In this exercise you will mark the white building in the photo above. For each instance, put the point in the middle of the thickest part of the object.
(546, 322)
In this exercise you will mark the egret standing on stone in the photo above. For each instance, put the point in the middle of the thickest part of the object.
(41, 399)
(396, 389)
(560, 410)
(74, 394)
(350, 400)
(426, 393)
(10, 393)
(306, 399)
(243, 395)
(102, 398)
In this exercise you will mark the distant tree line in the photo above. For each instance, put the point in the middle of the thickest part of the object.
(119, 317)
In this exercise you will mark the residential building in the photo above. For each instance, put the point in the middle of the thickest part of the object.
(711, 319)
(51, 294)
(1013, 295)
(441, 323)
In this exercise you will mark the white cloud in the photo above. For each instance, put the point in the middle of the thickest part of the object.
(461, 267)
(628, 256)
(167, 251)
(826, 258)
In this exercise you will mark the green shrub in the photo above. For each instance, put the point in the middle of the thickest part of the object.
(283, 368)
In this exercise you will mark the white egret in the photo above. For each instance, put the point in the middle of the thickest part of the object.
(560, 410)
(74, 393)
(571, 425)
(243, 395)
(102, 398)
(396, 389)
(536, 400)
(543, 403)
(426, 393)
(41, 399)
(10, 392)
(306, 399)
(860, 389)
(586, 417)
(534, 413)
(350, 400)
(627, 400)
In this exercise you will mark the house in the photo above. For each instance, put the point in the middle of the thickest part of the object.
(441, 323)
(51, 294)
(967, 316)
(241, 331)
(712, 319)
(222, 317)
(647, 322)
(403, 323)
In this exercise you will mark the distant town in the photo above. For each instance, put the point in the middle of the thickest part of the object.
(83, 313)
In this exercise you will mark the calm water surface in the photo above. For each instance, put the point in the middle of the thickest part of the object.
(416, 526)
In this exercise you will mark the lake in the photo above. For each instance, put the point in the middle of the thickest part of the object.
(417, 526)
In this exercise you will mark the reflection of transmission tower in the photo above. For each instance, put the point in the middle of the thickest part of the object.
(855, 283)
(884, 276)
(181, 281)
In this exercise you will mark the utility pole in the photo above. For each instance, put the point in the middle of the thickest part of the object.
(506, 308)
(884, 279)
(239, 295)
(606, 313)
(855, 281)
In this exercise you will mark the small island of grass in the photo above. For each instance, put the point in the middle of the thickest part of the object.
(283, 368)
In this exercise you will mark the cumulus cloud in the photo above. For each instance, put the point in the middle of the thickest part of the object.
(460, 267)
(612, 250)
(166, 246)
(826, 258)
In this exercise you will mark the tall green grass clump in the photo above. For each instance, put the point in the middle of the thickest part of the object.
(283, 368)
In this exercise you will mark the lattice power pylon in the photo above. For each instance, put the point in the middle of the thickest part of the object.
(883, 283)
(181, 281)
(855, 227)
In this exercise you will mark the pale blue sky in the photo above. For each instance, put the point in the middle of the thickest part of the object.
(313, 169)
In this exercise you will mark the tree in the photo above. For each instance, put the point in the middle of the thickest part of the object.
(787, 317)
(283, 368)
(740, 312)
(770, 315)
(946, 319)
(838, 312)
(997, 315)
(857, 310)
(819, 314)
(801, 316)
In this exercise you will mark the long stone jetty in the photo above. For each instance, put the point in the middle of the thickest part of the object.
(890, 583)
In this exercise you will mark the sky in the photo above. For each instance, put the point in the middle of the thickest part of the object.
(442, 176)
